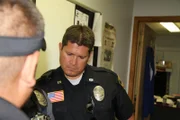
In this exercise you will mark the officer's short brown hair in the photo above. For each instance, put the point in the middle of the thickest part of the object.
(81, 35)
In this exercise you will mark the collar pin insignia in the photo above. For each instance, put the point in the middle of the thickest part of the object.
(91, 79)
(59, 82)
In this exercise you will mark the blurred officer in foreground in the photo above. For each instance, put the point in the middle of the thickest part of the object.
(21, 38)
(79, 91)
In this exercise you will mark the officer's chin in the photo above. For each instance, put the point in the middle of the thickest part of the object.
(69, 75)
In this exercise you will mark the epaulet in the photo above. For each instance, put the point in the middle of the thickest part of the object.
(47, 76)
(102, 69)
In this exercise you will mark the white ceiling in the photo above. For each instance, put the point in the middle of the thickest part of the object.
(159, 29)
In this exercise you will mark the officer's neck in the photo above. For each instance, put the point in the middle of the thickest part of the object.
(75, 80)
(74, 77)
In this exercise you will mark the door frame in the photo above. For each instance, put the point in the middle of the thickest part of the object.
(137, 21)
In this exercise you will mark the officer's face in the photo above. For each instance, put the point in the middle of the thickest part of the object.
(73, 59)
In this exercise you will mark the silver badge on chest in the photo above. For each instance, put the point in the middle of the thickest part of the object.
(99, 93)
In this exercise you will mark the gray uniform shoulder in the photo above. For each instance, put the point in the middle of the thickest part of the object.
(10, 112)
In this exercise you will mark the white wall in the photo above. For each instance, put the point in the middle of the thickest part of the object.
(168, 41)
(156, 7)
(174, 57)
(168, 48)
(58, 16)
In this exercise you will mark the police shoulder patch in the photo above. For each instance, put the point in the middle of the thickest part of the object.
(120, 82)
(41, 98)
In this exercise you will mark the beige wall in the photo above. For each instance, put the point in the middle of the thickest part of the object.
(58, 15)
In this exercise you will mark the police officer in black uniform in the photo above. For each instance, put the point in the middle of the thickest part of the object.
(82, 92)
(21, 38)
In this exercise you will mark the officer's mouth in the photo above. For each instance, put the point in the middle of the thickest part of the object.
(71, 70)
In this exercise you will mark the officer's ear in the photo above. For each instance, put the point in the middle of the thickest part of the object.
(27, 75)
(60, 46)
(91, 55)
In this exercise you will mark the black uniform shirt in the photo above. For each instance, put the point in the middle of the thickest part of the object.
(79, 102)
(10, 112)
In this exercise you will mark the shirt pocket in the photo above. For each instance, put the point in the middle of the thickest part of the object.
(103, 110)
(59, 107)
(59, 110)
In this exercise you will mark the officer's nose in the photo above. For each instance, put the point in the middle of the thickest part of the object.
(74, 60)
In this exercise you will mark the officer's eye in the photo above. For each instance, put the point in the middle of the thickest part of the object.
(69, 54)
(82, 57)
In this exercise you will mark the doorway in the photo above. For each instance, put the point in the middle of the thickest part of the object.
(136, 65)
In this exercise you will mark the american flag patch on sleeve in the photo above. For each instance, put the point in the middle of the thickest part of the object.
(56, 96)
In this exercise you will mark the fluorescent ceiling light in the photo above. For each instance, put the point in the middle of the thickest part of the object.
(171, 27)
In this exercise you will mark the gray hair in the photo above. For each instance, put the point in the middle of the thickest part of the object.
(18, 18)
(23, 13)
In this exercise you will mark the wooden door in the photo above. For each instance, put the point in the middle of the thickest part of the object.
(146, 37)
